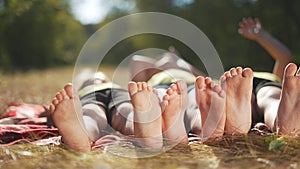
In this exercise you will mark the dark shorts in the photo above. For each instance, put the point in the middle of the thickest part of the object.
(107, 98)
(259, 83)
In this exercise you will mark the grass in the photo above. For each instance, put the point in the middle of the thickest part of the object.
(39, 87)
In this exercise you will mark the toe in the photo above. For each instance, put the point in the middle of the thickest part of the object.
(166, 97)
(59, 97)
(217, 88)
(173, 86)
(247, 72)
(222, 79)
(298, 72)
(211, 85)
(139, 86)
(132, 88)
(222, 93)
(227, 75)
(64, 94)
(200, 82)
(55, 102)
(207, 80)
(290, 70)
(170, 91)
(239, 70)
(233, 72)
(144, 86)
(182, 86)
(69, 90)
(52, 108)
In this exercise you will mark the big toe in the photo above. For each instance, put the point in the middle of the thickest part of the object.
(247, 72)
(69, 90)
(290, 69)
(132, 88)
(200, 82)
(182, 86)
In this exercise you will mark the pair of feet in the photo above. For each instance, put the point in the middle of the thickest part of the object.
(237, 84)
(155, 120)
(225, 107)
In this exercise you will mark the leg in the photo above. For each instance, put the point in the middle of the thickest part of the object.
(174, 105)
(193, 117)
(66, 111)
(238, 86)
(289, 107)
(147, 115)
(267, 99)
(172, 61)
(140, 68)
(95, 120)
(210, 99)
(122, 118)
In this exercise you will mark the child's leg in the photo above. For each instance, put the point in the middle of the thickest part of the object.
(122, 118)
(141, 68)
(193, 117)
(267, 99)
(95, 120)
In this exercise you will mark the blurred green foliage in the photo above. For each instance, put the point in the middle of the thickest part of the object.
(38, 34)
(219, 19)
(43, 33)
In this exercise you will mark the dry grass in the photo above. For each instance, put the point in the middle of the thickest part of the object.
(232, 152)
(39, 87)
(36, 87)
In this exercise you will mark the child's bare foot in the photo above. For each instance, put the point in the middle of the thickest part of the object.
(147, 115)
(289, 107)
(174, 104)
(66, 112)
(210, 99)
(237, 84)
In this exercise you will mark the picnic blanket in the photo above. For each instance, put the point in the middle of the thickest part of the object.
(31, 123)
(23, 122)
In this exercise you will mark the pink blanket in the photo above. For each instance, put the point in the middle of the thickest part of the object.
(30, 123)
(25, 123)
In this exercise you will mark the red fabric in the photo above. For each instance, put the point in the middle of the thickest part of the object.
(23, 110)
(12, 133)
(24, 122)
(29, 123)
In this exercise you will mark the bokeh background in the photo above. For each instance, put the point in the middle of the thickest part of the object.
(38, 34)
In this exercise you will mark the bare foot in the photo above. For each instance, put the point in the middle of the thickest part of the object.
(174, 105)
(237, 84)
(289, 107)
(147, 115)
(210, 99)
(66, 112)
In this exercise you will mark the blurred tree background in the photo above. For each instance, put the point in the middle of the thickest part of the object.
(38, 34)
(43, 33)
